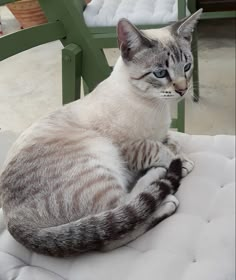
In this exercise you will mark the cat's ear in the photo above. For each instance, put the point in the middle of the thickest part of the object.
(185, 27)
(130, 39)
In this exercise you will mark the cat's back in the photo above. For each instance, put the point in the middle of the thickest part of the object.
(55, 153)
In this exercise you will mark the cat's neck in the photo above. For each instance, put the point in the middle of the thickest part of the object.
(134, 112)
(120, 77)
(120, 74)
(117, 108)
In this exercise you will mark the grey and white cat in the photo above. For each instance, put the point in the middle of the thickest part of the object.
(101, 171)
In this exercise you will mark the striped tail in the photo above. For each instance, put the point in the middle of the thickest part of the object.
(92, 232)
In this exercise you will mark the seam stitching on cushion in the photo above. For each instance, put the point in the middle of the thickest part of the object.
(115, 11)
(154, 7)
(133, 12)
(101, 7)
(175, 3)
(24, 264)
(19, 259)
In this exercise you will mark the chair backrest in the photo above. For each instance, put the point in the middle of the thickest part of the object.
(94, 67)
(25, 39)
(65, 23)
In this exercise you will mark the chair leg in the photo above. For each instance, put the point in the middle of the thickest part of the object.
(71, 73)
(0, 26)
(86, 89)
(196, 94)
(181, 117)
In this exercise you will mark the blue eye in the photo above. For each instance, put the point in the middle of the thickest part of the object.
(187, 67)
(161, 73)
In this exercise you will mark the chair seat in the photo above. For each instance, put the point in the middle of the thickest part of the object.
(101, 13)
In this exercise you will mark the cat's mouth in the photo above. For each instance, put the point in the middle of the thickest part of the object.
(172, 94)
(168, 94)
(181, 93)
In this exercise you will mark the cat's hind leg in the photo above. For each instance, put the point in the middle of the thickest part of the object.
(166, 204)
(174, 146)
(153, 175)
(166, 209)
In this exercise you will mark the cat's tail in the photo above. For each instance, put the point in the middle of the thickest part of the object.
(93, 232)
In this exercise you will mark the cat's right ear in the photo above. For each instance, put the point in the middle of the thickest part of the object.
(130, 39)
(185, 27)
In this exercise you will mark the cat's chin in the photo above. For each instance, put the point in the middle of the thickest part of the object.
(171, 98)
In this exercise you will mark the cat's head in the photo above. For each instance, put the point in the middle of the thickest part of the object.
(160, 62)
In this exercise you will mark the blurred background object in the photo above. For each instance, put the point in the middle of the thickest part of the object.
(27, 12)
(0, 26)
(216, 5)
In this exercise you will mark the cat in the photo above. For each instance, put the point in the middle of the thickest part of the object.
(101, 171)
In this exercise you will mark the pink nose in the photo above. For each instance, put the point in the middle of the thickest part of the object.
(180, 86)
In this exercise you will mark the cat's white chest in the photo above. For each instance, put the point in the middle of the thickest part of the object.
(142, 122)
(156, 126)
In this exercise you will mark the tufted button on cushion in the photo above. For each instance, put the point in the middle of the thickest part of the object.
(109, 12)
(196, 243)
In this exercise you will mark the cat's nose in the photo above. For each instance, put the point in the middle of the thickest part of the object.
(180, 86)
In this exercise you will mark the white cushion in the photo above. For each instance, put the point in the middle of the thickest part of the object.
(109, 12)
(196, 243)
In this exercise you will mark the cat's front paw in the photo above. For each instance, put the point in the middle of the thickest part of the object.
(172, 201)
(167, 208)
(156, 173)
(187, 165)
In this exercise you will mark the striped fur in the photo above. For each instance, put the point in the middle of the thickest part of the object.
(92, 175)
(95, 232)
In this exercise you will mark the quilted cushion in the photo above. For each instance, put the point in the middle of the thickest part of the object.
(109, 12)
(197, 243)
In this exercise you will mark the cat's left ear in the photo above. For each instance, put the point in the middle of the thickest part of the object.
(185, 27)
(130, 39)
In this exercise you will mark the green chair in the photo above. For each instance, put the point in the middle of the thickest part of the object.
(217, 9)
(82, 56)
